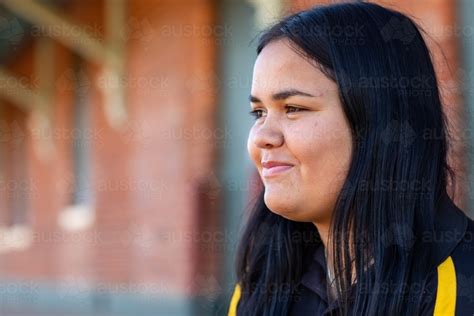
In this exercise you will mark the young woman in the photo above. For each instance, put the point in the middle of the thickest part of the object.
(350, 142)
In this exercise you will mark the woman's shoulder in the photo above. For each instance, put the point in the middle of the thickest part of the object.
(463, 253)
(450, 286)
(463, 265)
(454, 232)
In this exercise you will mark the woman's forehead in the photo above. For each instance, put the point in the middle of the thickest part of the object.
(279, 67)
(279, 56)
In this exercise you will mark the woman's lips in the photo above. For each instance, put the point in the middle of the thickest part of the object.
(267, 172)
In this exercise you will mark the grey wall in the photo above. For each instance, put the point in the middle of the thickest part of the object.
(466, 24)
(237, 56)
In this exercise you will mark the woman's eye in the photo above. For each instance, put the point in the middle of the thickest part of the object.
(256, 113)
(289, 107)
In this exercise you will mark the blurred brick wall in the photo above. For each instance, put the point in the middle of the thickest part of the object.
(152, 180)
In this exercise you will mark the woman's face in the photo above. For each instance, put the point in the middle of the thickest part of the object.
(300, 122)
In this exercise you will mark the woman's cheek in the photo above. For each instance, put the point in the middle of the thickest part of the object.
(301, 135)
(341, 157)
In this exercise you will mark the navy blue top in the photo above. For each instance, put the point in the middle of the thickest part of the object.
(454, 234)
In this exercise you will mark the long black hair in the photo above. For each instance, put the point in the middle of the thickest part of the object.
(398, 172)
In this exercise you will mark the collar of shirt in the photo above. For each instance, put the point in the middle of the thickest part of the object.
(315, 279)
(450, 228)
(450, 225)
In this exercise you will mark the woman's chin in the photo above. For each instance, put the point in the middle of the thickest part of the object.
(292, 211)
(282, 207)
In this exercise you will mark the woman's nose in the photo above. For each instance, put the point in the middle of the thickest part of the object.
(268, 134)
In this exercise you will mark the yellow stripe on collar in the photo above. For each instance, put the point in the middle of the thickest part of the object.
(234, 301)
(445, 304)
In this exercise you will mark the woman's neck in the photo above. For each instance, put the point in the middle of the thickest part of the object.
(323, 230)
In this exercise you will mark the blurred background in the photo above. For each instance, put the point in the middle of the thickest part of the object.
(124, 175)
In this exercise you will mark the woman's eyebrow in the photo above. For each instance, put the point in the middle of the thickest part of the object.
(282, 95)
